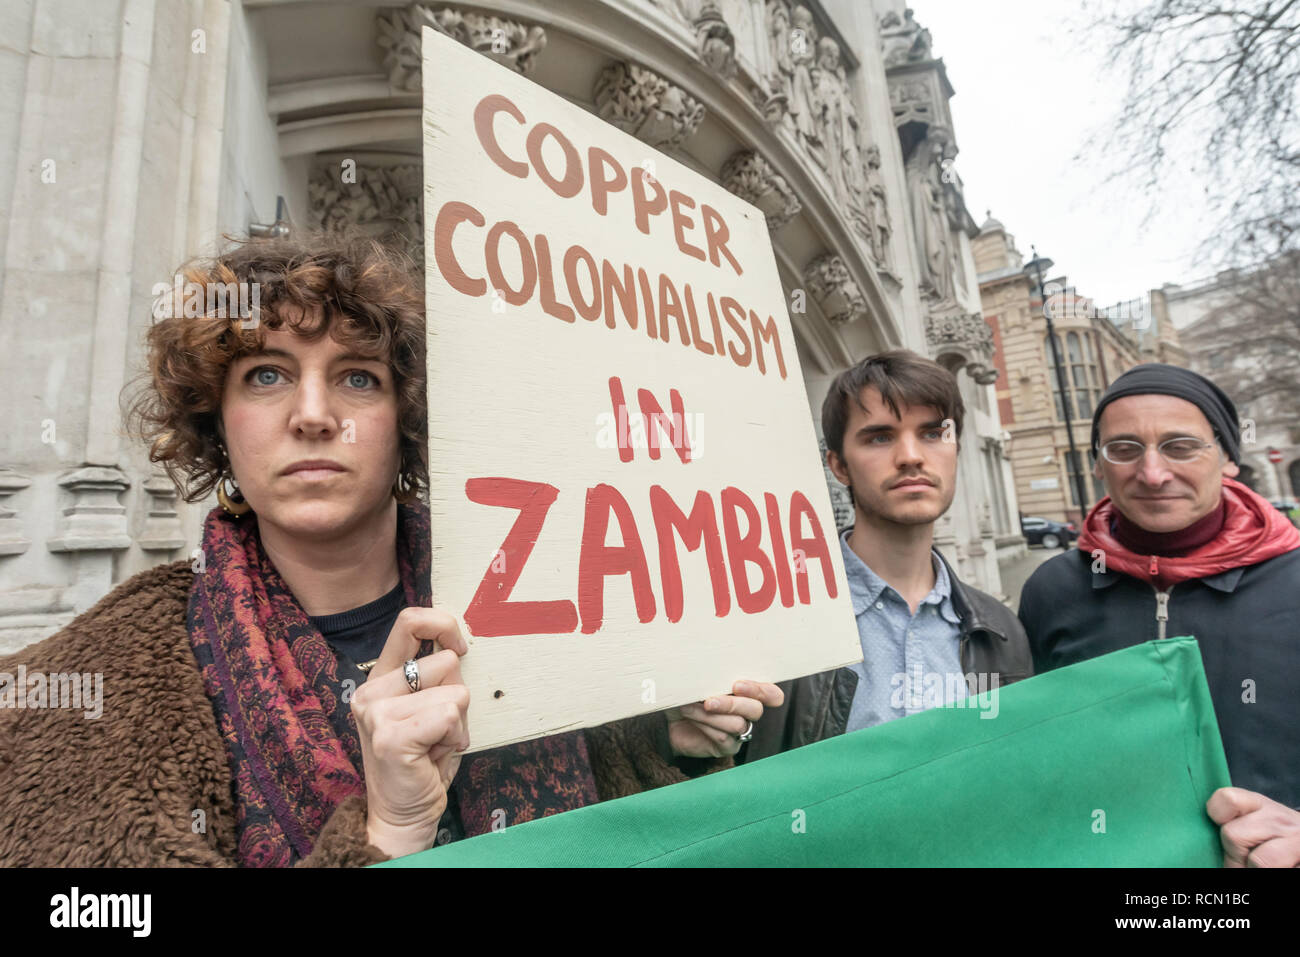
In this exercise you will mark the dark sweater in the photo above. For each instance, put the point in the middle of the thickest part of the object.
(359, 635)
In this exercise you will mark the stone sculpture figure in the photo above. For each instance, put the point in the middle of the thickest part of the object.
(803, 109)
(930, 216)
(903, 39)
(878, 211)
(828, 99)
(837, 120)
(714, 39)
(780, 77)
(778, 39)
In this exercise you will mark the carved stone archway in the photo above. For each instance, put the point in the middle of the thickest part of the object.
(776, 82)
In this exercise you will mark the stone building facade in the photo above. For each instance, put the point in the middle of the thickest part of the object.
(135, 133)
(1095, 346)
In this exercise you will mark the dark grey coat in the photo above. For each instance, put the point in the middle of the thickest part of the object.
(1246, 621)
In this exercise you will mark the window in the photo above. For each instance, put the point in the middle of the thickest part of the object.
(1079, 367)
(1072, 469)
(1082, 374)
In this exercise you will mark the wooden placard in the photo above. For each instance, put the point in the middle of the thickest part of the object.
(629, 511)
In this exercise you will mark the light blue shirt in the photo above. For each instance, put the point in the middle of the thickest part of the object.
(910, 662)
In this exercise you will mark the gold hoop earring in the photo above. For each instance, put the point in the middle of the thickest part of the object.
(239, 507)
(402, 487)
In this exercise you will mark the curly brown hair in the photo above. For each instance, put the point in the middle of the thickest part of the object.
(370, 297)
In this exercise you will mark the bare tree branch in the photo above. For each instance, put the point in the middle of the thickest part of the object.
(1220, 80)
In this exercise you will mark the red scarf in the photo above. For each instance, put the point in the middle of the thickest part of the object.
(1253, 531)
(292, 744)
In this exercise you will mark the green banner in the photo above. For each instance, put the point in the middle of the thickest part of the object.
(1107, 763)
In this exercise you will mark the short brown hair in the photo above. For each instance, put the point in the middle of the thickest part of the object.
(371, 299)
(902, 378)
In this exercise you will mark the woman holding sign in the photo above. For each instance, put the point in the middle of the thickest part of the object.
(289, 695)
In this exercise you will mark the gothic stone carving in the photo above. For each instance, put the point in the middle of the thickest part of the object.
(877, 225)
(931, 218)
(968, 335)
(903, 40)
(384, 200)
(752, 178)
(803, 90)
(792, 39)
(838, 126)
(831, 285)
(643, 103)
(512, 44)
(809, 96)
(912, 101)
(714, 39)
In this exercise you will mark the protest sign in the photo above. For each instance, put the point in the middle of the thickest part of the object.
(629, 511)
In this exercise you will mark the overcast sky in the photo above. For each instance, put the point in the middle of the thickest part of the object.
(1031, 89)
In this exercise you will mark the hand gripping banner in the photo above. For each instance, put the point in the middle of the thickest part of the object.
(1107, 763)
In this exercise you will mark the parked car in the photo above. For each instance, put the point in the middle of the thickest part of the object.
(1049, 534)
(1290, 509)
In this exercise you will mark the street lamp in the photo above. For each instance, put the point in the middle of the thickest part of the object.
(1034, 268)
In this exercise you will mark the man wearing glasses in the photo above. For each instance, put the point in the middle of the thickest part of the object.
(1180, 548)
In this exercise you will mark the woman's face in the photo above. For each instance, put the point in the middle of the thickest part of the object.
(299, 401)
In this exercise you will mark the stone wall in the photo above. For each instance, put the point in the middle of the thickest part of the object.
(135, 133)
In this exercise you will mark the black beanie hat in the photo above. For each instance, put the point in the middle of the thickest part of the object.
(1161, 379)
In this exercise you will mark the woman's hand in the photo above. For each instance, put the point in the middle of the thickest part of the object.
(411, 741)
(712, 728)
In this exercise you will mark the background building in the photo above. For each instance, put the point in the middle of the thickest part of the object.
(134, 133)
(1095, 346)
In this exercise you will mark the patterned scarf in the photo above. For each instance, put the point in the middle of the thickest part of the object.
(292, 741)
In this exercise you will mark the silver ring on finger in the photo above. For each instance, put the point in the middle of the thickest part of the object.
(412, 672)
(749, 732)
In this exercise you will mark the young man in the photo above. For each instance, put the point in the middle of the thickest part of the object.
(1179, 548)
(892, 425)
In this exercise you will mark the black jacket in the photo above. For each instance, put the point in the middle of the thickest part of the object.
(1247, 624)
(817, 706)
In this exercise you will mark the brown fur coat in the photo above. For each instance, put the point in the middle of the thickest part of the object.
(147, 783)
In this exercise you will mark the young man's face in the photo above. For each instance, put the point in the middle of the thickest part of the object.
(901, 468)
(1155, 494)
